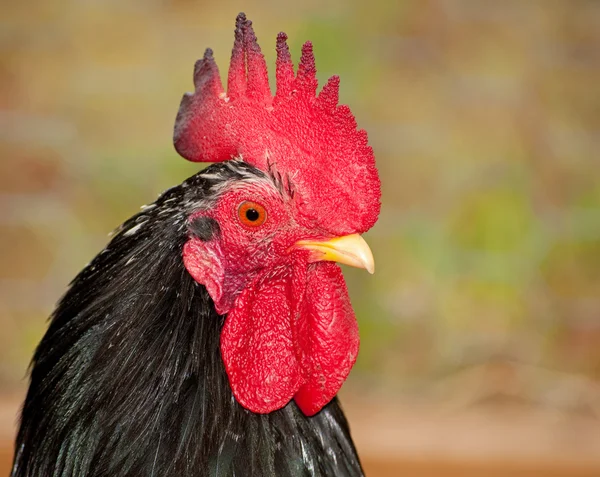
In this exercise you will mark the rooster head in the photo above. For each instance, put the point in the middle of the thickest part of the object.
(266, 243)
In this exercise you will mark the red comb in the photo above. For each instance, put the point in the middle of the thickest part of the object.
(307, 138)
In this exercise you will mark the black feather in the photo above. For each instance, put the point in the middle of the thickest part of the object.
(205, 228)
(129, 381)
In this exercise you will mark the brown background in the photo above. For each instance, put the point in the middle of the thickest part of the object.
(481, 328)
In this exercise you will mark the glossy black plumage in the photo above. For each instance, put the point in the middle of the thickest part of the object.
(128, 380)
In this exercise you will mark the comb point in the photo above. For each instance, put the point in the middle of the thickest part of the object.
(236, 78)
(206, 75)
(284, 70)
(307, 70)
(329, 95)
(258, 78)
(240, 19)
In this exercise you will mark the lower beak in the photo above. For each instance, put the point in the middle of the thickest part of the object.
(350, 250)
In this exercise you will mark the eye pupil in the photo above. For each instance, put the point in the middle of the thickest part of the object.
(252, 215)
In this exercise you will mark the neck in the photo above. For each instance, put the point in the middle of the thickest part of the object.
(128, 379)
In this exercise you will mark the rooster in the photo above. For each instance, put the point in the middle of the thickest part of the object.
(212, 334)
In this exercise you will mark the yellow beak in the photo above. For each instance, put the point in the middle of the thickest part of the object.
(350, 250)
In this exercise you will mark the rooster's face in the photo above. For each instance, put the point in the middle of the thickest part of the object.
(290, 330)
(255, 226)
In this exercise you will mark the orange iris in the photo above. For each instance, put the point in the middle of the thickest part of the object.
(252, 214)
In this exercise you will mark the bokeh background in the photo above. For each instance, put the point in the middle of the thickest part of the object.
(481, 328)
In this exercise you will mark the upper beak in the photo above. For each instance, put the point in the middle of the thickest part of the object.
(350, 249)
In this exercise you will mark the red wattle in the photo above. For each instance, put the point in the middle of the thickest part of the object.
(257, 347)
(327, 334)
(293, 335)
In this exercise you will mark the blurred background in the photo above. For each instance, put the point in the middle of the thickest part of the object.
(480, 351)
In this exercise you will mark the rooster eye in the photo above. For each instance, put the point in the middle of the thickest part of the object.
(252, 214)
